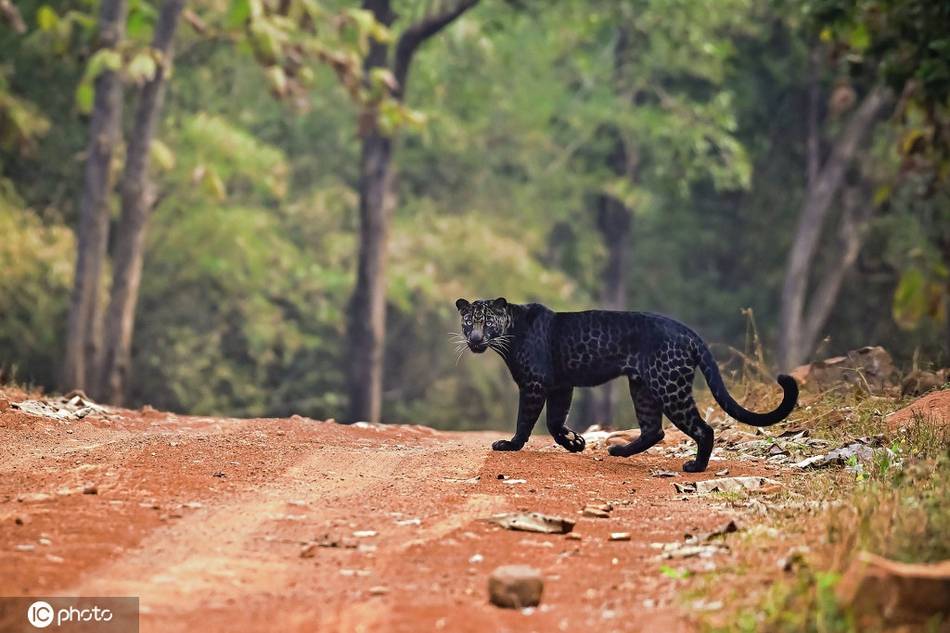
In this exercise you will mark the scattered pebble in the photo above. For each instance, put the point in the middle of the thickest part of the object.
(365, 533)
(476, 558)
(574, 536)
(511, 482)
(26, 547)
(515, 587)
(619, 536)
(378, 590)
(309, 550)
(90, 489)
(21, 519)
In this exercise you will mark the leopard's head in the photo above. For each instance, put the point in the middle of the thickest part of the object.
(485, 323)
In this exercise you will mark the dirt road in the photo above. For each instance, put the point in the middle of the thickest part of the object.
(205, 519)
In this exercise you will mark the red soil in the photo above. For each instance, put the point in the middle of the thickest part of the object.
(204, 519)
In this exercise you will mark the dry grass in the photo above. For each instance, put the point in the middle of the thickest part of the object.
(896, 506)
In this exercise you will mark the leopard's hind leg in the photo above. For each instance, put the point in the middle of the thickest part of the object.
(649, 416)
(680, 408)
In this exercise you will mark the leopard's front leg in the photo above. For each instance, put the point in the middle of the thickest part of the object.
(530, 402)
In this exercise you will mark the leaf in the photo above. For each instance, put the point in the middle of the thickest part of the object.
(910, 299)
(213, 183)
(102, 60)
(46, 18)
(85, 93)
(674, 573)
(277, 80)
(242, 11)
(142, 67)
(161, 155)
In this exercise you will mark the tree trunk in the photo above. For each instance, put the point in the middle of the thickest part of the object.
(83, 328)
(794, 347)
(366, 329)
(613, 221)
(137, 202)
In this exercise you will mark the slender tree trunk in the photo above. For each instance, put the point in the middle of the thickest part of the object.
(366, 329)
(613, 221)
(83, 328)
(137, 202)
(793, 344)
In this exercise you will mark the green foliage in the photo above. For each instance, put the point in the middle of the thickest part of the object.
(37, 264)
(506, 133)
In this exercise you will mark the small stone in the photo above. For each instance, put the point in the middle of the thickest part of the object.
(515, 587)
(574, 536)
(309, 550)
(378, 591)
(476, 558)
(722, 473)
(45, 541)
(365, 533)
(90, 489)
(34, 497)
(596, 512)
(26, 547)
(21, 519)
(53, 558)
(619, 536)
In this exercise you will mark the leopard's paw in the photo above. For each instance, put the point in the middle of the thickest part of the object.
(572, 442)
(506, 445)
(693, 466)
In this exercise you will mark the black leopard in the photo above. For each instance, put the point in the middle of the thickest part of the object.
(549, 353)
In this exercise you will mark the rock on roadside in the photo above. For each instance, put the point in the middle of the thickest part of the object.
(515, 587)
(898, 592)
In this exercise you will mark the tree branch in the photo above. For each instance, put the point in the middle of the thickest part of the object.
(12, 16)
(417, 34)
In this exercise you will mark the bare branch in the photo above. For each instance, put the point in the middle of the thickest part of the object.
(417, 34)
(11, 16)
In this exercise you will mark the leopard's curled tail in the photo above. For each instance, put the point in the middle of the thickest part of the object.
(707, 365)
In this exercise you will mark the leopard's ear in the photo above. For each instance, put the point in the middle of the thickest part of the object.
(462, 304)
(500, 302)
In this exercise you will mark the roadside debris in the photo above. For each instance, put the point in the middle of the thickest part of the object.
(456, 480)
(597, 511)
(333, 541)
(794, 559)
(515, 587)
(724, 484)
(899, 592)
(74, 406)
(853, 455)
(726, 528)
(919, 382)
(868, 368)
(533, 522)
(365, 533)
